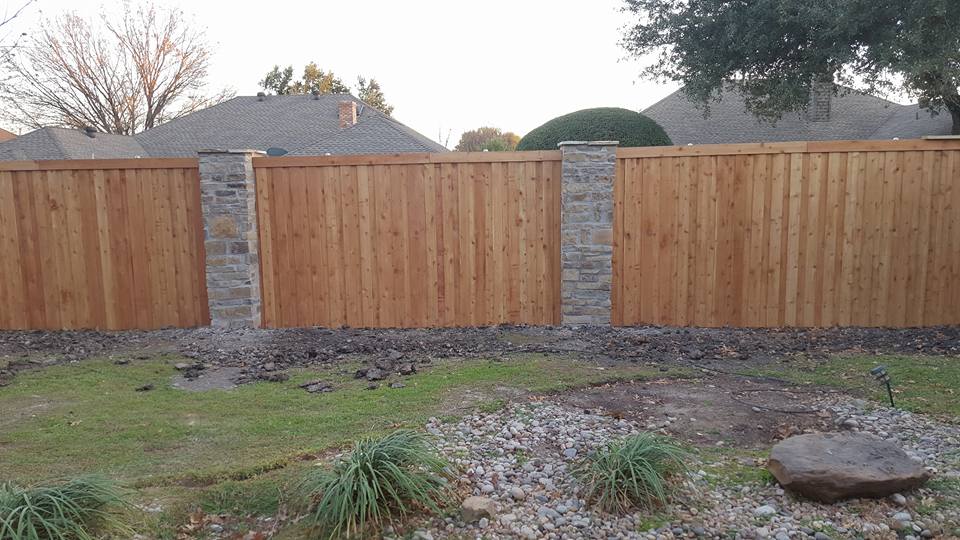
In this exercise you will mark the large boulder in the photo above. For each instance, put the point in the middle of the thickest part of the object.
(829, 467)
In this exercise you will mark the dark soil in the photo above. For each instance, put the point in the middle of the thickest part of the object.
(260, 353)
(719, 411)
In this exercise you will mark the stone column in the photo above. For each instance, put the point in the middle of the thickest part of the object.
(586, 230)
(229, 200)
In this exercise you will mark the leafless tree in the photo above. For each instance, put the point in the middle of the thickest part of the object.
(120, 76)
(8, 39)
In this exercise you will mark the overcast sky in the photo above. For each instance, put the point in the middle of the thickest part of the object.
(446, 65)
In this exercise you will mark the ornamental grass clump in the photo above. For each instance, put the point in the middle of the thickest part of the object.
(378, 480)
(79, 509)
(637, 471)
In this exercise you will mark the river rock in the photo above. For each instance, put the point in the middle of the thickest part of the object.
(476, 508)
(828, 467)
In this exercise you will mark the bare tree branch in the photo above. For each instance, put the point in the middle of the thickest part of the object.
(123, 76)
(5, 48)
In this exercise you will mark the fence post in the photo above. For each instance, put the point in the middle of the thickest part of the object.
(586, 230)
(229, 197)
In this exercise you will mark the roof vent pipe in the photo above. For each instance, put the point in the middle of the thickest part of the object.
(316, 94)
(90, 131)
(261, 96)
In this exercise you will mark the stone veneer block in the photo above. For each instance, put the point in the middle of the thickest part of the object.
(228, 196)
(586, 234)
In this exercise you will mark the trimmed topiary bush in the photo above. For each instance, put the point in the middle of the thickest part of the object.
(601, 124)
(634, 472)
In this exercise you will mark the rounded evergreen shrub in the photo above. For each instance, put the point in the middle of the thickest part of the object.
(601, 124)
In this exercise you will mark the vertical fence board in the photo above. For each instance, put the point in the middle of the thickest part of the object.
(852, 234)
(108, 245)
(401, 244)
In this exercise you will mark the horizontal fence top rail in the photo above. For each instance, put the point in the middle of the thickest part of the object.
(100, 164)
(406, 159)
(788, 148)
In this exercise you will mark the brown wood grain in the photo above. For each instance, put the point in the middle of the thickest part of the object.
(100, 244)
(846, 233)
(410, 241)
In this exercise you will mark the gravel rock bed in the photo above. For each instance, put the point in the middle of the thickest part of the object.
(521, 458)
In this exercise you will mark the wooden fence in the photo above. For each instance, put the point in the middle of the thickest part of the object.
(108, 244)
(795, 234)
(410, 240)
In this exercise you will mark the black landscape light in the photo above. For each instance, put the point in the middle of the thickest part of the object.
(880, 373)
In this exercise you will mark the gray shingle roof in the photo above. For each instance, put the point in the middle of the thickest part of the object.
(853, 115)
(288, 122)
(372, 135)
(62, 143)
(302, 125)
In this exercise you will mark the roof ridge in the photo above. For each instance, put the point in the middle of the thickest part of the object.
(48, 132)
(664, 98)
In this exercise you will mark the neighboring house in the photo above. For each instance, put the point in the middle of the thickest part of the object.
(849, 115)
(6, 135)
(302, 125)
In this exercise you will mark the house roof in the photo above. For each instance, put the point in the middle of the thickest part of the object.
(6, 135)
(288, 122)
(63, 143)
(853, 115)
(301, 125)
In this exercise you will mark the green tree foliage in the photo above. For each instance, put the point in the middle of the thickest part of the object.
(490, 139)
(315, 79)
(774, 51)
(601, 124)
(370, 93)
(278, 81)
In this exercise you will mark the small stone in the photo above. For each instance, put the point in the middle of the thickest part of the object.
(903, 517)
(517, 493)
(570, 453)
(477, 508)
(850, 423)
(699, 531)
(764, 511)
(898, 499)
(483, 523)
(180, 366)
(375, 374)
(373, 386)
(821, 536)
(145, 388)
(397, 384)
(782, 536)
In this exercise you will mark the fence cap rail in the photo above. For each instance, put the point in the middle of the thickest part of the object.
(406, 159)
(101, 164)
(789, 148)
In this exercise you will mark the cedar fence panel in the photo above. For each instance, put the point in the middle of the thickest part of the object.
(796, 234)
(108, 244)
(413, 240)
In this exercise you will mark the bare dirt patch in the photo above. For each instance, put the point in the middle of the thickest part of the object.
(723, 410)
(212, 379)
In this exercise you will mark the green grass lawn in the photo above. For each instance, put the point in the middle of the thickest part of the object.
(224, 448)
(927, 384)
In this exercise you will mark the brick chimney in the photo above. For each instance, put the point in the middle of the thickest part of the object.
(821, 93)
(348, 113)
